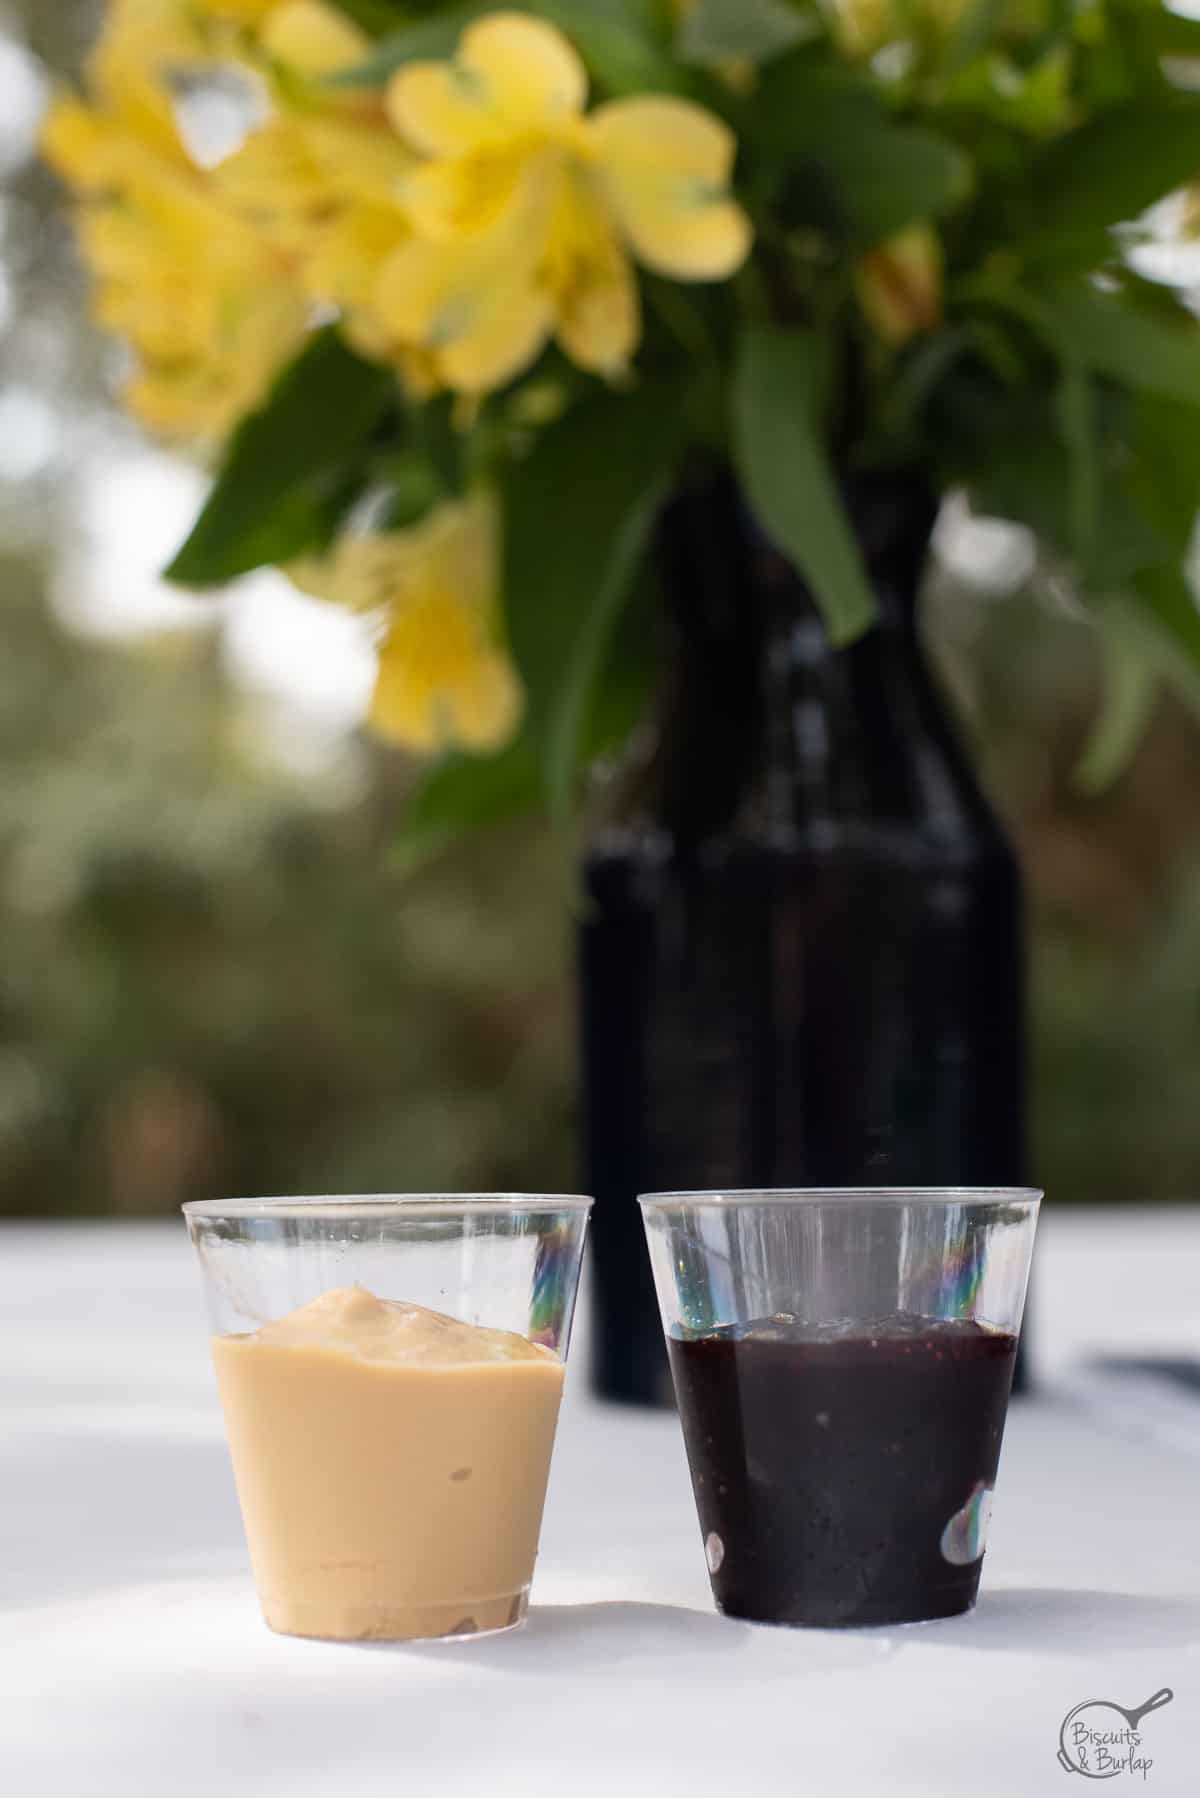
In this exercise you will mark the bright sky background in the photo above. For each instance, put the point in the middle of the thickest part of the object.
(135, 508)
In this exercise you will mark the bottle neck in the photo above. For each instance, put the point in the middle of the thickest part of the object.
(765, 727)
(860, 735)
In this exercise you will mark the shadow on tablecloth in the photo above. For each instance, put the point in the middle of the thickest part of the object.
(1044, 1620)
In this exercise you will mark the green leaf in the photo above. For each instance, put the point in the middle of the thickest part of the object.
(917, 377)
(579, 513)
(754, 29)
(783, 466)
(616, 38)
(566, 733)
(834, 158)
(1037, 101)
(1077, 423)
(1173, 34)
(305, 519)
(431, 37)
(800, 101)
(620, 42)
(409, 487)
(1111, 168)
(286, 464)
(631, 665)
(375, 16)
(892, 176)
(977, 24)
(1164, 467)
(1131, 684)
(1006, 447)
(1169, 619)
(463, 793)
(1151, 351)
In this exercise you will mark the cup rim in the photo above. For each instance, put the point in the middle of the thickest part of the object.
(733, 1197)
(309, 1205)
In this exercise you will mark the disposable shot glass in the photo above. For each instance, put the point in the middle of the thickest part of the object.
(842, 1363)
(390, 1370)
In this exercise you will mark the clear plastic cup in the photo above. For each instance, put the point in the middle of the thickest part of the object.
(391, 1465)
(842, 1362)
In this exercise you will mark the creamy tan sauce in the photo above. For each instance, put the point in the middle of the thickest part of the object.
(391, 1465)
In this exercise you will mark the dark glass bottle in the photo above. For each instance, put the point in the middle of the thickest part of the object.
(802, 958)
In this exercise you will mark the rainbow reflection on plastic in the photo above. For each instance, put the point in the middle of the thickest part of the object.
(962, 1269)
(553, 1268)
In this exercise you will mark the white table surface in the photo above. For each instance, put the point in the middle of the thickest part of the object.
(133, 1661)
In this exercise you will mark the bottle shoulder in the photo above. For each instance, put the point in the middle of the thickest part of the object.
(930, 850)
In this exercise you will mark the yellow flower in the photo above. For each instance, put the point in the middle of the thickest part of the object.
(666, 167)
(206, 272)
(208, 310)
(302, 172)
(526, 211)
(128, 75)
(444, 677)
(899, 285)
(321, 177)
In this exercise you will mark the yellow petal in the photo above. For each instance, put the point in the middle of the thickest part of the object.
(488, 705)
(313, 39)
(443, 676)
(142, 44)
(273, 180)
(185, 220)
(360, 161)
(341, 258)
(506, 336)
(899, 285)
(176, 405)
(80, 145)
(512, 74)
(438, 686)
(374, 571)
(588, 274)
(483, 315)
(246, 12)
(359, 573)
(168, 318)
(203, 397)
(419, 371)
(665, 165)
(863, 26)
(467, 194)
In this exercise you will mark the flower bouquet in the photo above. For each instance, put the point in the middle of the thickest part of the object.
(453, 297)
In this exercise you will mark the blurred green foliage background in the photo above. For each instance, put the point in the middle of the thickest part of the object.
(212, 977)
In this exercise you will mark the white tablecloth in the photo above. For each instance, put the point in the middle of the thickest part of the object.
(133, 1661)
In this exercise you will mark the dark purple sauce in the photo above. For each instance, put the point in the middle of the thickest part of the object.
(828, 1463)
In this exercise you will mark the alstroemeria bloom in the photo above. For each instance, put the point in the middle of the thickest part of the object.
(128, 76)
(527, 211)
(200, 298)
(899, 285)
(321, 176)
(445, 678)
(207, 305)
